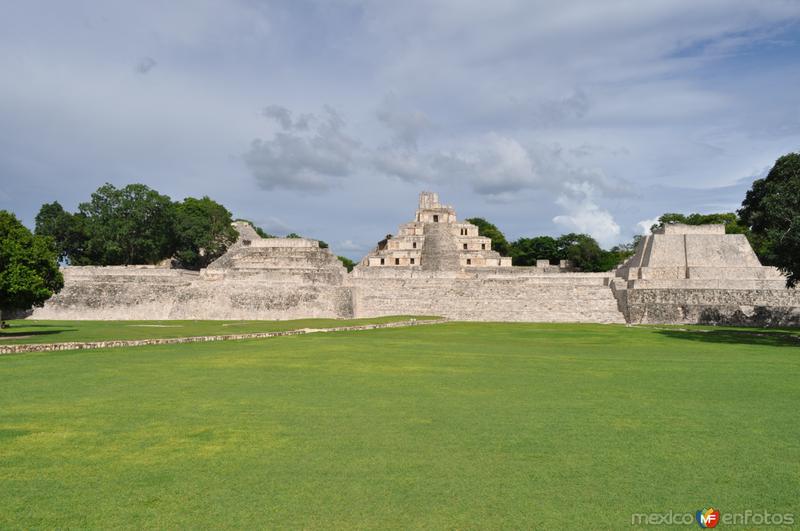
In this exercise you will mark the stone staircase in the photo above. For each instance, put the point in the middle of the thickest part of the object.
(440, 252)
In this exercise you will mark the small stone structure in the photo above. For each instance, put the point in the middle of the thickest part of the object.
(437, 265)
(699, 274)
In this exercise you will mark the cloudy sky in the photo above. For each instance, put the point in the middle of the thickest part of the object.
(327, 118)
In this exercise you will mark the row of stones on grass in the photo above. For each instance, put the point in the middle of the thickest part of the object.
(82, 345)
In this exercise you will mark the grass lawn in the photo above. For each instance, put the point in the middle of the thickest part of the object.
(445, 426)
(33, 331)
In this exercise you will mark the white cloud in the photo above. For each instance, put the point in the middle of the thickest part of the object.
(645, 224)
(585, 216)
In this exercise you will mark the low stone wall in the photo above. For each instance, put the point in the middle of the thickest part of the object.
(756, 307)
(538, 299)
(86, 345)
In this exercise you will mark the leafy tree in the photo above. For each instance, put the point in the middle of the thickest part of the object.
(582, 250)
(203, 232)
(29, 273)
(771, 209)
(667, 219)
(489, 230)
(130, 225)
(525, 251)
(617, 254)
(67, 230)
(349, 264)
(733, 224)
(293, 235)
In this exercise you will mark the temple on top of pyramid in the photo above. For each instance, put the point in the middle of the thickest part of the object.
(435, 241)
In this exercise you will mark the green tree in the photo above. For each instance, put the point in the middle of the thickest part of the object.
(733, 224)
(349, 264)
(130, 225)
(29, 273)
(771, 209)
(617, 254)
(525, 251)
(582, 250)
(203, 232)
(489, 230)
(67, 231)
(667, 219)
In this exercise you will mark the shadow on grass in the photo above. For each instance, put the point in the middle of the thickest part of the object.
(737, 337)
(28, 333)
(28, 324)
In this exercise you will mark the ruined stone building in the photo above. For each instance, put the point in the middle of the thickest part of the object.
(437, 265)
(436, 240)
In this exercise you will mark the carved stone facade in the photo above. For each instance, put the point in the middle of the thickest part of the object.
(439, 266)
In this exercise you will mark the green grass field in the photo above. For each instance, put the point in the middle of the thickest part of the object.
(32, 331)
(444, 426)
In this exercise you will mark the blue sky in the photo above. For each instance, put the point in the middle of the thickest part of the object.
(328, 118)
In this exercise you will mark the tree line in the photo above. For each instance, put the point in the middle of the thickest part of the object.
(581, 249)
(137, 225)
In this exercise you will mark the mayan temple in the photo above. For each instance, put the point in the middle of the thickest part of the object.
(436, 265)
(697, 273)
(436, 241)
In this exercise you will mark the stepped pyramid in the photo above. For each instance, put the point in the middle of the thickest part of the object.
(276, 259)
(435, 241)
(698, 274)
(679, 255)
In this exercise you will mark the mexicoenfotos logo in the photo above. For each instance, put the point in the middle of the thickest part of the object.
(707, 518)
(710, 517)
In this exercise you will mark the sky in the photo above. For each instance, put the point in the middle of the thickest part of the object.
(328, 118)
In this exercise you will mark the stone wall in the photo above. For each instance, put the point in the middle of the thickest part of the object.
(551, 298)
(742, 307)
(111, 293)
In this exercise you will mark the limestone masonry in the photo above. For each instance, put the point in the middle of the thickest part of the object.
(437, 265)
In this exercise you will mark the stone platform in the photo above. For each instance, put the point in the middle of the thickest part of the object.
(698, 274)
(437, 265)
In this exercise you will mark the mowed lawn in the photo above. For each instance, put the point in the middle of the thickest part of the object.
(443, 426)
(34, 331)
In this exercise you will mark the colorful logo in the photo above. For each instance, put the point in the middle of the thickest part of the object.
(707, 518)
